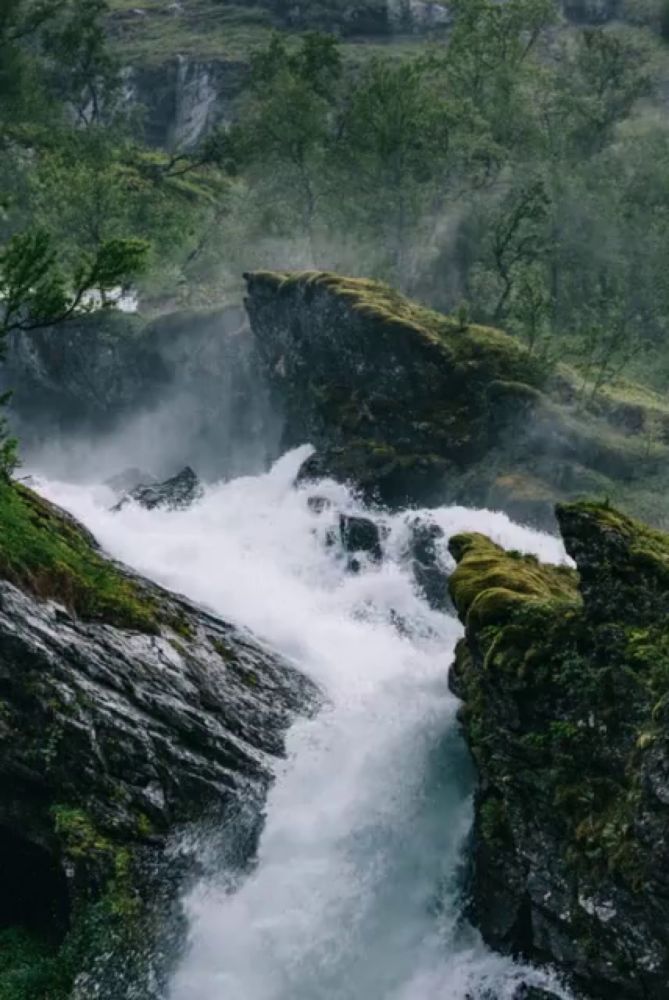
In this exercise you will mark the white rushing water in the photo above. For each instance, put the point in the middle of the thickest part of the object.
(355, 895)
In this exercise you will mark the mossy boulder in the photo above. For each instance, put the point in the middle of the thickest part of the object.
(564, 677)
(395, 395)
(414, 407)
(125, 714)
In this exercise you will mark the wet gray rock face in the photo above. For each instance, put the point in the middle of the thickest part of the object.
(427, 563)
(177, 493)
(566, 711)
(134, 724)
(111, 742)
(184, 99)
(360, 536)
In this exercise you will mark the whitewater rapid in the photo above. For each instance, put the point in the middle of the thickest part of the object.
(356, 894)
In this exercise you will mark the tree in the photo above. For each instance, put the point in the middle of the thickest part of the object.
(21, 24)
(529, 308)
(85, 74)
(518, 237)
(599, 82)
(610, 338)
(36, 293)
(392, 149)
(282, 139)
(489, 59)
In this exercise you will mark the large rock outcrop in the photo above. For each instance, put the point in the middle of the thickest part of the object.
(564, 675)
(125, 713)
(414, 406)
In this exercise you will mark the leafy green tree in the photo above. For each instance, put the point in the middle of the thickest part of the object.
(610, 337)
(519, 238)
(490, 59)
(35, 292)
(282, 139)
(392, 150)
(599, 82)
(85, 75)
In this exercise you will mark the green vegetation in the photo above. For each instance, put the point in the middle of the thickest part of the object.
(520, 184)
(33, 967)
(523, 183)
(46, 553)
(475, 416)
(377, 301)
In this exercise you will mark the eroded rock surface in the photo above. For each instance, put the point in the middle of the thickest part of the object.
(177, 493)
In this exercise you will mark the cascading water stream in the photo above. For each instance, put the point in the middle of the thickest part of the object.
(356, 890)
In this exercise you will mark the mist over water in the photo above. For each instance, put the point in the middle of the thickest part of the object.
(356, 894)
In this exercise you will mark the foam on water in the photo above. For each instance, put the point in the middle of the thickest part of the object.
(356, 891)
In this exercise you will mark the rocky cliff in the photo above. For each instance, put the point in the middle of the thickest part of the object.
(564, 675)
(125, 713)
(412, 406)
(187, 64)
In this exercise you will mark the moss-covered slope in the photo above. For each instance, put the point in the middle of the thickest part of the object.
(47, 553)
(564, 677)
(416, 406)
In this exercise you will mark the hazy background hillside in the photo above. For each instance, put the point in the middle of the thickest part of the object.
(505, 162)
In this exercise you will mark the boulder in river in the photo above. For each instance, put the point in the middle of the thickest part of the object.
(360, 536)
(427, 566)
(177, 493)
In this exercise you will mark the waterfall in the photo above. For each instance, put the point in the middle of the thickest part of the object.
(356, 893)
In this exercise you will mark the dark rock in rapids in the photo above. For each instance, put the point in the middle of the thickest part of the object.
(359, 535)
(177, 493)
(426, 563)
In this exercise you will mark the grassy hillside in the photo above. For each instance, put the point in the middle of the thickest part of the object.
(154, 31)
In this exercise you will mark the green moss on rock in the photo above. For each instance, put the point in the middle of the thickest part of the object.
(502, 356)
(489, 583)
(46, 553)
(31, 968)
